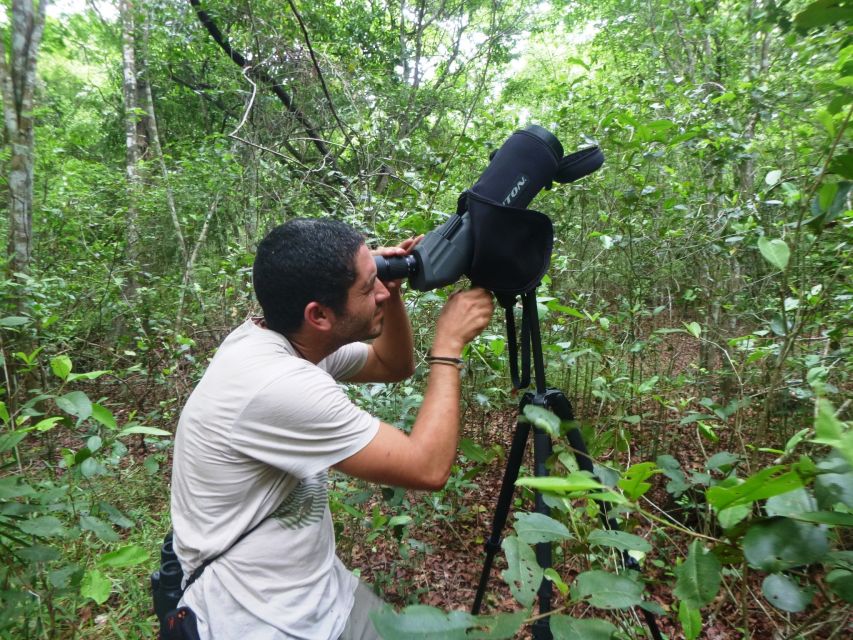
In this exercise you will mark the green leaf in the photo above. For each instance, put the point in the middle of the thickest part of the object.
(578, 481)
(96, 586)
(832, 431)
(399, 521)
(523, 573)
(823, 13)
(790, 504)
(731, 516)
(533, 528)
(502, 626)
(605, 590)
(690, 619)
(779, 544)
(39, 553)
(768, 482)
(826, 195)
(785, 594)
(633, 483)
(831, 518)
(543, 418)
(840, 581)
(474, 452)
(115, 516)
(43, 527)
(128, 556)
(151, 431)
(14, 321)
(61, 366)
(619, 540)
(554, 577)
(568, 628)
(89, 375)
(775, 251)
(104, 416)
(772, 177)
(14, 487)
(11, 439)
(77, 404)
(420, 622)
(694, 329)
(698, 577)
(826, 119)
(722, 461)
(99, 528)
(47, 424)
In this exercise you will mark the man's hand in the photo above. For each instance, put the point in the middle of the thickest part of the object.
(463, 318)
(402, 249)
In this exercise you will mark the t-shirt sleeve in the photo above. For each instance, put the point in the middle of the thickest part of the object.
(302, 423)
(347, 361)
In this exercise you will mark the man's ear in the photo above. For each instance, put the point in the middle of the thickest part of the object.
(318, 316)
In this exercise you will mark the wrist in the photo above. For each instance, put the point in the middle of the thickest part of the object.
(447, 348)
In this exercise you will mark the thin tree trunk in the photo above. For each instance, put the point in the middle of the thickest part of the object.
(131, 121)
(17, 81)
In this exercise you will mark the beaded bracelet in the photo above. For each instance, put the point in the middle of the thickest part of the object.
(459, 363)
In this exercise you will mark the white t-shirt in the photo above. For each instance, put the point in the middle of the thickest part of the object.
(254, 443)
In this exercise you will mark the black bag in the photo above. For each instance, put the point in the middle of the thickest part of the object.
(179, 624)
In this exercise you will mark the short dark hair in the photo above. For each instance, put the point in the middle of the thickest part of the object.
(302, 261)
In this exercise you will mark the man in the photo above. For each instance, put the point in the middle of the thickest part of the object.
(268, 419)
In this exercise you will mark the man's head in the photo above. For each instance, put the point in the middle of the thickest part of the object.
(304, 261)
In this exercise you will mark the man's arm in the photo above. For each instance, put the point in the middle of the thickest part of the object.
(423, 459)
(391, 357)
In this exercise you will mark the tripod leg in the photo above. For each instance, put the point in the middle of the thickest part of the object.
(493, 544)
(541, 452)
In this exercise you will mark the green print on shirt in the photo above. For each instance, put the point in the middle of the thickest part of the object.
(305, 505)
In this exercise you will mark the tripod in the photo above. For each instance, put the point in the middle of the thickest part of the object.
(556, 401)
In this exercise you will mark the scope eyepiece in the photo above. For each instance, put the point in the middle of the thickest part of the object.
(395, 267)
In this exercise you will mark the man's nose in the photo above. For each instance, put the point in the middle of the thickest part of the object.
(382, 293)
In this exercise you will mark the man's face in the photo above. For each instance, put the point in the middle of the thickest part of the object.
(363, 317)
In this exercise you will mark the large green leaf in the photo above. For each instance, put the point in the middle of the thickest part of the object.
(95, 585)
(690, 619)
(605, 590)
(502, 626)
(43, 526)
(568, 628)
(633, 482)
(61, 366)
(99, 528)
(790, 504)
(420, 622)
(77, 404)
(785, 594)
(523, 573)
(778, 544)
(775, 251)
(578, 481)
(698, 577)
(768, 482)
(543, 418)
(537, 527)
(822, 13)
(128, 556)
(619, 540)
(840, 581)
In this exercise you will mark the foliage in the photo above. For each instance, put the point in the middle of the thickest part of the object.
(697, 309)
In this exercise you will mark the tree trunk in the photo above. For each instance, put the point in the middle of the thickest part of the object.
(17, 79)
(132, 155)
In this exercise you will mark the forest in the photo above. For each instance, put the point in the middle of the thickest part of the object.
(697, 311)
